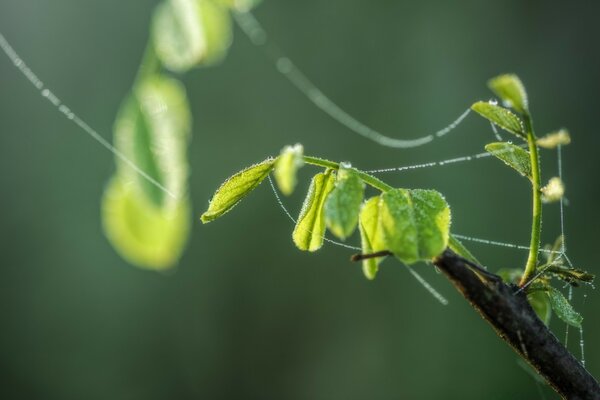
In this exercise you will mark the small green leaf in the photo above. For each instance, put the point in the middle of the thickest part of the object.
(570, 274)
(513, 156)
(512, 92)
(286, 166)
(555, 139)
(540, 302)
(144, 234)
(500, 116)
(343, 204)
(310, 227)
(553, 191)
(415, 224)
(187, 33)
(371, 236)
(456, 246)
(563, 308)
(510, 275)
(236, 188)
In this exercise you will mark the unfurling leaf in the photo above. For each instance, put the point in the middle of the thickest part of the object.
(371, 236)
(456, 246)
(563, 308)
(310, 227)
(236, 188)
(513, 156)
(146, 235)
(188, 33)
(512, 92)
(343, 204)
(570, 274)
(286, 166)
(540, 302)
(415, 224)
(500, 116)
(555, 139)
(553, 191)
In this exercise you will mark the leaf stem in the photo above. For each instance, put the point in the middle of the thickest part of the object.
(368, 179)
(536, 224)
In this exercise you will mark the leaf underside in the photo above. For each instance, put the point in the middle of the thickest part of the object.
(513, 156)
(343, 203)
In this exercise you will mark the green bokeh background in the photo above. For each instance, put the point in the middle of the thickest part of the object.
(246, 315)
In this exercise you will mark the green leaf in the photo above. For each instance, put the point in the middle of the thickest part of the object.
(371, 236)
(513, 156)
(240, 5)
(310, 227)
(512, 92)
(152, 131)
(188, 33)
(540, 302)
(570, 274)
(343, 204)
(286, 166)
(555, 139)
(456, 246)
(415, 224)
(500, 116)
(236, 188)
(563, 308)
(145, 235)
(510, 275)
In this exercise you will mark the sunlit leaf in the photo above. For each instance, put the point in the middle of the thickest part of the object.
(563, 308)
(144, 234)
(188, 33)
(371, 236)
(286, 166)
(554, 139)
(459, 248)
(510, 89)
(236, 188)
(152, 131)
(310, 226)
(500, 116)
(540, 302)
(415, 224)
(553, 191)
(513, 156)
(343, 204)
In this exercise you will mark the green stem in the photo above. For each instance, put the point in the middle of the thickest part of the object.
(536, 224)
(149, 65)
(368, 179)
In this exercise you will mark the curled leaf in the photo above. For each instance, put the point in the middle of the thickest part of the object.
(343, 204)
(371, 236)
(286, 166)
(553, 191)
(512, 92)
(310, 227)
(563, 309)
(513, 156)
(236, 188)
(555, 139)
(415, 224)
(500, 116)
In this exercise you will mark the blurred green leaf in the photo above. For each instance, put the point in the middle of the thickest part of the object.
(343, 204)
(513, 156)
(144, 234)
(500, 116)
(510, 89)
(188, 33)
(415, 224)
(240, 5)
(236, 188)
(540, 302)
(554, 139)
(510, 275)
(310, 226)
(286, 167)
(563, 308)
(372, 239)
(459, 248)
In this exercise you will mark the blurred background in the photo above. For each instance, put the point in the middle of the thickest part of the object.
(245, 314)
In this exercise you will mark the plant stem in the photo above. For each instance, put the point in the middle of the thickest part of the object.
(149, 65)
(368, 179)
(536, 224)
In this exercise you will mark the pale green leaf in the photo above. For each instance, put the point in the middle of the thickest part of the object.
(310, 227)
(540, 302)
(415, 224)
(286, 167)
(459, 248)
(500, 116)
(188, 33)
(372, 239)
(555, 139)
(510, 89)
(513, 156)
(144, 234)
(563, 309)
(343, 204)
(236, 188)
(152, 130)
